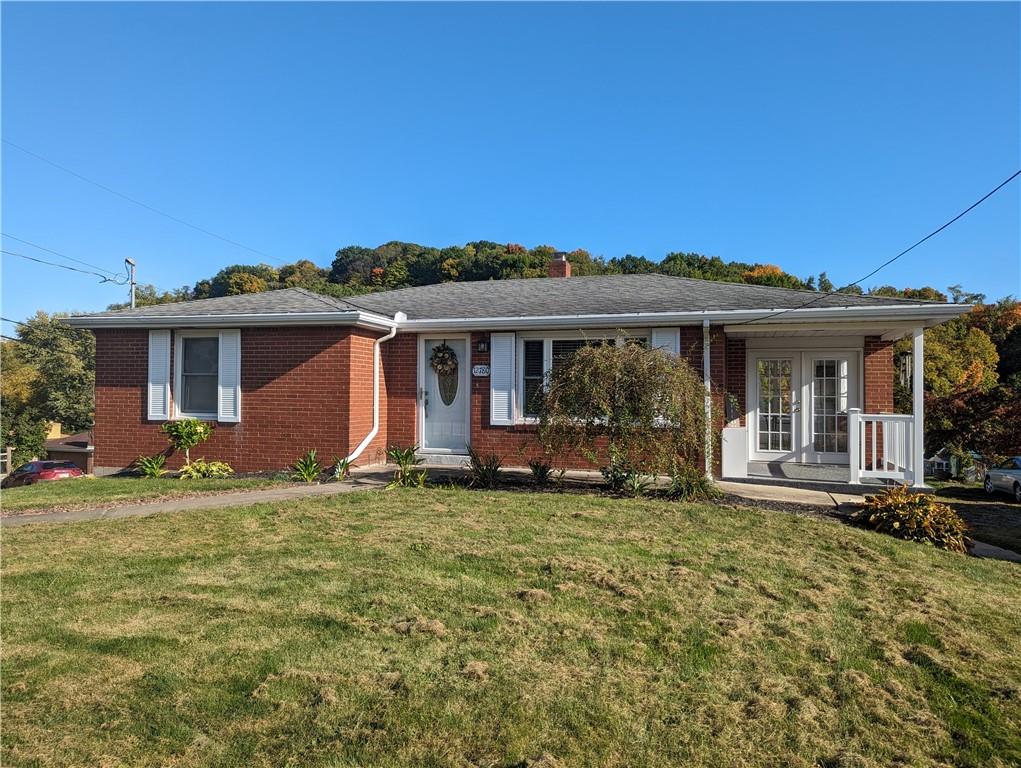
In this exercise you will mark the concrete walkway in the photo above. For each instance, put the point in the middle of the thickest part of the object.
(361, 482)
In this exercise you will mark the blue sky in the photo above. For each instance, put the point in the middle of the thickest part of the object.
(813, 136)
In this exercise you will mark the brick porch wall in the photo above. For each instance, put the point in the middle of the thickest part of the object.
(877, 357)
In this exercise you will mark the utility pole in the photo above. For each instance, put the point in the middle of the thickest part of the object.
(131, 279)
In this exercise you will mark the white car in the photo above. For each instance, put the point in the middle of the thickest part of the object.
(1005, 477)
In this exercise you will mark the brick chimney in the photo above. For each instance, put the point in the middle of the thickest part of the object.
(560, 266)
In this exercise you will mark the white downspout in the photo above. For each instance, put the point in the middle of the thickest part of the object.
(707, 383)
(398, 318)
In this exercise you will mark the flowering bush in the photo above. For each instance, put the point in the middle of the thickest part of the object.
(185, 434)
(915, 517)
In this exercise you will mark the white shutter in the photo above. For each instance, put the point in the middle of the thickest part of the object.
(228, 401)
(501, 378)
(667, 339)
(158, 388)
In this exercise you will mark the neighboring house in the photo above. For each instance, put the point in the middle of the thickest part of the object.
(289, 370)
(75, 448)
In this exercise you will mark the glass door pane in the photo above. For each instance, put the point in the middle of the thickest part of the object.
(829, 405)
(774, 428)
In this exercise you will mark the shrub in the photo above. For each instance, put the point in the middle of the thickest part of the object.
(644, 406)
(307, 468)
(483, 472)
(915, 517)
(616, 474)
(185, 434)
(637, 484)
(342, 469)
(200, 468)
(690, 484)
(407, 475)
(542, 472)
(152, 466)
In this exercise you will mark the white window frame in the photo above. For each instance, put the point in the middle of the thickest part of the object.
(179, 337)
(548, 337)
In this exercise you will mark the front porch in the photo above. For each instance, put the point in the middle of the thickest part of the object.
(819, 411)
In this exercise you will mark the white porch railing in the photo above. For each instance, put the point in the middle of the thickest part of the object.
(881, 445)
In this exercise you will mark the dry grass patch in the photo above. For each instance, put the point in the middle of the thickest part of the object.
(451, 628)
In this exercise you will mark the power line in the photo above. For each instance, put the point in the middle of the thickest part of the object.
(102, 278)
(16, 322)
(148, 207)
(58, 253)
(890, 261)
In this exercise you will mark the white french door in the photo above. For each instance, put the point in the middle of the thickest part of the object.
(798, 405)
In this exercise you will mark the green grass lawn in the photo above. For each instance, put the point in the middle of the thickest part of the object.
(87, 492)
(458, 628)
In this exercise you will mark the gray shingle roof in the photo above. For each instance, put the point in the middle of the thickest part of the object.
(286, 301)
(536, 297)
(596, 295)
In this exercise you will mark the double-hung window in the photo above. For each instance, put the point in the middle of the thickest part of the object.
(541, 354)
(199, 368)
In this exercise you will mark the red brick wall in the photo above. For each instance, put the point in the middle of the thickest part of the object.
(878, 390)
(735, 377)
(297, 386)
(308, 388)
(400, 360)
(878, 358)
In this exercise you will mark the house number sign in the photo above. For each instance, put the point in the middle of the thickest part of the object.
(480, 370)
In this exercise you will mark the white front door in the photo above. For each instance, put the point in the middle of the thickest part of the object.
(444, 378)
(798, 405)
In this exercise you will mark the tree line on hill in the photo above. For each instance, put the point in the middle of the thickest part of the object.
(972, 367)
(356, 269)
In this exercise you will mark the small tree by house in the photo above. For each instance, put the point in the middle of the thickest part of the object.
(185, 434)
(643, 407)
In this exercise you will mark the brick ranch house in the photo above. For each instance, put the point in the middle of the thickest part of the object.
(807, 377)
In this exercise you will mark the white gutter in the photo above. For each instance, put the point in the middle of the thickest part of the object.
(359, 318)
(937, 312)
(708, 401)
(373, 321)
(398, 318)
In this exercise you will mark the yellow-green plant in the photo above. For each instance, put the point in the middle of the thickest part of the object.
(916, 517)
(407, 475)
(185, 434)
(307, 468)
(151, 466)
(200, 468)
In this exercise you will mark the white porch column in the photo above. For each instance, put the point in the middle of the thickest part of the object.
(918, 408)
(707, 383)
(854, 443)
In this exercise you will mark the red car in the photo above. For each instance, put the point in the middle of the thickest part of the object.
(41, 471)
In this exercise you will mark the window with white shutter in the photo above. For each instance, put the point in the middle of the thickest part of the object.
(207, 374)
(229, 395)
(158, 388)
(501, 378)
(667, 339)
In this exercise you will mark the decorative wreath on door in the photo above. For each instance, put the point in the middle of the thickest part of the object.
(444, 362)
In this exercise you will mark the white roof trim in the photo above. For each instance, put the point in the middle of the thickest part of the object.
(895, 313)
(359, 318)
(745, 318)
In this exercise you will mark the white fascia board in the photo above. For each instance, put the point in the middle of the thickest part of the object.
(359, 319)
(917, 312)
